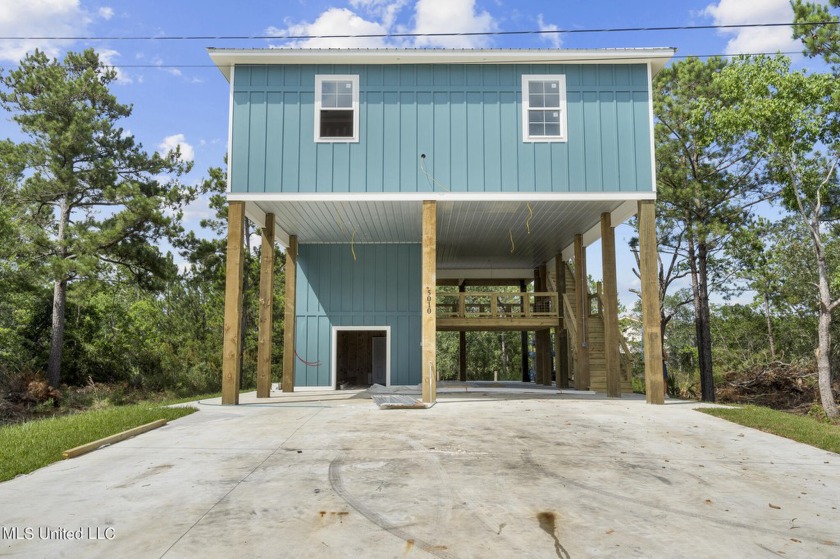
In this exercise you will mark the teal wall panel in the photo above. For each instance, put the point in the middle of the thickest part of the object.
(380, 288)
(466, 119)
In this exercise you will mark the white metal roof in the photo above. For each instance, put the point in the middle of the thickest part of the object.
(227, 58)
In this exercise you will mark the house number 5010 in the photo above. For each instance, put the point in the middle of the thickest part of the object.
(428, 300)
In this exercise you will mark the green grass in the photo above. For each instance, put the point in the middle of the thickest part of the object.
(804, 429)
(28, 446)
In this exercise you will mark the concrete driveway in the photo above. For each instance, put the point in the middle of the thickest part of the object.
(489, 474)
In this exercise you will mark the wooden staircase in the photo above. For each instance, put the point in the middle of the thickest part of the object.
(595, 340)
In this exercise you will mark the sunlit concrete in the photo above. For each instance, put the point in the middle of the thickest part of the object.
(483, 473)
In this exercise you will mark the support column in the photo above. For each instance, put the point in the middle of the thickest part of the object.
(561, 360)
(582, 304)
(526, 374)
(266, 327)
(651, 326)
(232, 343)
(429, 295)
(610, 307)
(462, 347)
(546, 333)
(539, 362)
(289, 321)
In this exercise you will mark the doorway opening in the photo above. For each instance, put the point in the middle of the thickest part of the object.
(361, 356)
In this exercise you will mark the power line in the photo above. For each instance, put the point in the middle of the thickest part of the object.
(409, 35)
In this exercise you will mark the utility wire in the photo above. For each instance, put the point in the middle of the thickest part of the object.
(407, 35)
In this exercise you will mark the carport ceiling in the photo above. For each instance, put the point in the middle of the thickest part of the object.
(470, 234)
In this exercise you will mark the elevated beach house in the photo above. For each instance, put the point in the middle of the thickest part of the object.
(396, 180)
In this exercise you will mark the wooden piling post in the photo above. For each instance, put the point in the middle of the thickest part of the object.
(582, 295)
(651, 326)
(429, 298)
(233, 303)
(289, 316)
(561, 363)
(266, 325)
(610, 302)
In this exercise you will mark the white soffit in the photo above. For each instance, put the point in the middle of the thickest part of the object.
(474, 234)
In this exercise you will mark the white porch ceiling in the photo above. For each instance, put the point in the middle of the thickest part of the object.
(474, 234)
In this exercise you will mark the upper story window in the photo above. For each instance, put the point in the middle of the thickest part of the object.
(336, 108)
(544, 108)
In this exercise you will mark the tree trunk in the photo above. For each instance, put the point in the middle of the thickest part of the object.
(824, 341)
(57, 334)
(770, 337)
(704, 346)
(59, 303)
(701, 318)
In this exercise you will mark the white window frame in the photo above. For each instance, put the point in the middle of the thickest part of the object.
(526, 133)
(319, 81)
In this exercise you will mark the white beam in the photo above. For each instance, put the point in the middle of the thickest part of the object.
(492, 274)
(618, 216)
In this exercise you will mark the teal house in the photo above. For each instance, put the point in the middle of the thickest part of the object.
(398, 179)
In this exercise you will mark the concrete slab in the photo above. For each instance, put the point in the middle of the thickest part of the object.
(478, 475)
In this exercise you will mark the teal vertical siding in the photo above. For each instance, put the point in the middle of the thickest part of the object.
(466, 119)
(380, 288)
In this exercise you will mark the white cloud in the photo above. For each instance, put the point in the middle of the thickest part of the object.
(157, 61)
(553, 39)
(39, 18)
(106, 12)
(754, 39)
(455, 16)
(169, 144)
(386, 10)
(107, 56)
(379, 17)
(335, 21)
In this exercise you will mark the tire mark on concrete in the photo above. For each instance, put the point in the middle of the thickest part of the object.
(528, 459)
(337, 485)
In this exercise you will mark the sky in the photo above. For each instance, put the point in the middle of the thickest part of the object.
(180, 98)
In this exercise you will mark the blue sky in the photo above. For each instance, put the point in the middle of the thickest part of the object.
(179, 98)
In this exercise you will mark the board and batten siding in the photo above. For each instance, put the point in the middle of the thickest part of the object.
(381, 287)
(466, 119)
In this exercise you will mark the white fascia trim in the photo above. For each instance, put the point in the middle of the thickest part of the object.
(484, 274)
(652, 129)
(257, 215)
(568, 253)
(442, 196)
(624, 212)
(230, 133)
(225, 59)
(334, 351)
(618, 216)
